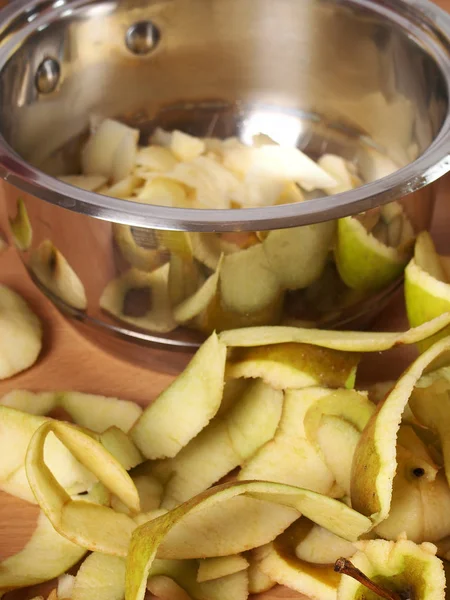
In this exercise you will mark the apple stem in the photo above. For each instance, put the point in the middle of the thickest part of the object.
(344, 566)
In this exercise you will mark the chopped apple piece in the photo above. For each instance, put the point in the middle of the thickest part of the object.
(46, 555)
(200, 300)
(293, 365)
(141, 299)
(186, 147)
(298, 255)
(224, 444)
(258, 189)
(161, 137)
(124, 188)
(290, 164)
(54, 272)
(213, 568)
(156, 433)
(89, 525)
(91, 183)
(339, 169)
(99, 413)
(186, 531)
(398, 569)
(20, 334)
(103, 153)
(39, 404)
(280, 563)
(348, 341)
(124, 157)
(291, 194)
(290, 457)
(247, 282)
(22, 232)
(156, 158)
(375, 463)
(163, 192)
(101, 577)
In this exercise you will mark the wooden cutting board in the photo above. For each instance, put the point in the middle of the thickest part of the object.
(69, 361)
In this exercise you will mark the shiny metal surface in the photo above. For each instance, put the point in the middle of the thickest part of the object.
(142, 37)
(47, 76)
(368, 80)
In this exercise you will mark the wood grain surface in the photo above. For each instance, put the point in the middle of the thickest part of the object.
(71, 362)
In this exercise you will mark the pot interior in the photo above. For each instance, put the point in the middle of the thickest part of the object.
(352, 78)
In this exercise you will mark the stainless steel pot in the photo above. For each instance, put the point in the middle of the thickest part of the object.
(368, 80)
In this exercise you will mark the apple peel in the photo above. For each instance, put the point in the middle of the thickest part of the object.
(347, 341)
(200, 300)
(220, 566)
(169, 577)
(97, 413)
(16, 431)
(20, 334)
(224, 444)
(97, 528)
(101, 576)
(46, 555)
(325, 511)
(375, 462)
(157, 434)
(292, 365)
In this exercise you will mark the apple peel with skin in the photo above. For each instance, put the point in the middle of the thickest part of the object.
(347, 341)
(100, 577)
(325, 511)
(16, 430)
(54, 272)
(292, 365)
(97, 413)
(94, 527)
(427, 288)
(158, 433)
(46, 555)
(20, 334)
(224, 444)
(375, 463)
(21, 230)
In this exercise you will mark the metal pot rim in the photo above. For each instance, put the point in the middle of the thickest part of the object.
(430, 26)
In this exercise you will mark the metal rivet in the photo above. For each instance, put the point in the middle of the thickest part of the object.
(142, 37)
(47, 76)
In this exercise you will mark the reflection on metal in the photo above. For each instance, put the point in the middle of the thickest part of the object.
(142, 37)
(47, 76)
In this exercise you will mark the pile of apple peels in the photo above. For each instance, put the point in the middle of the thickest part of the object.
(319, 478)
